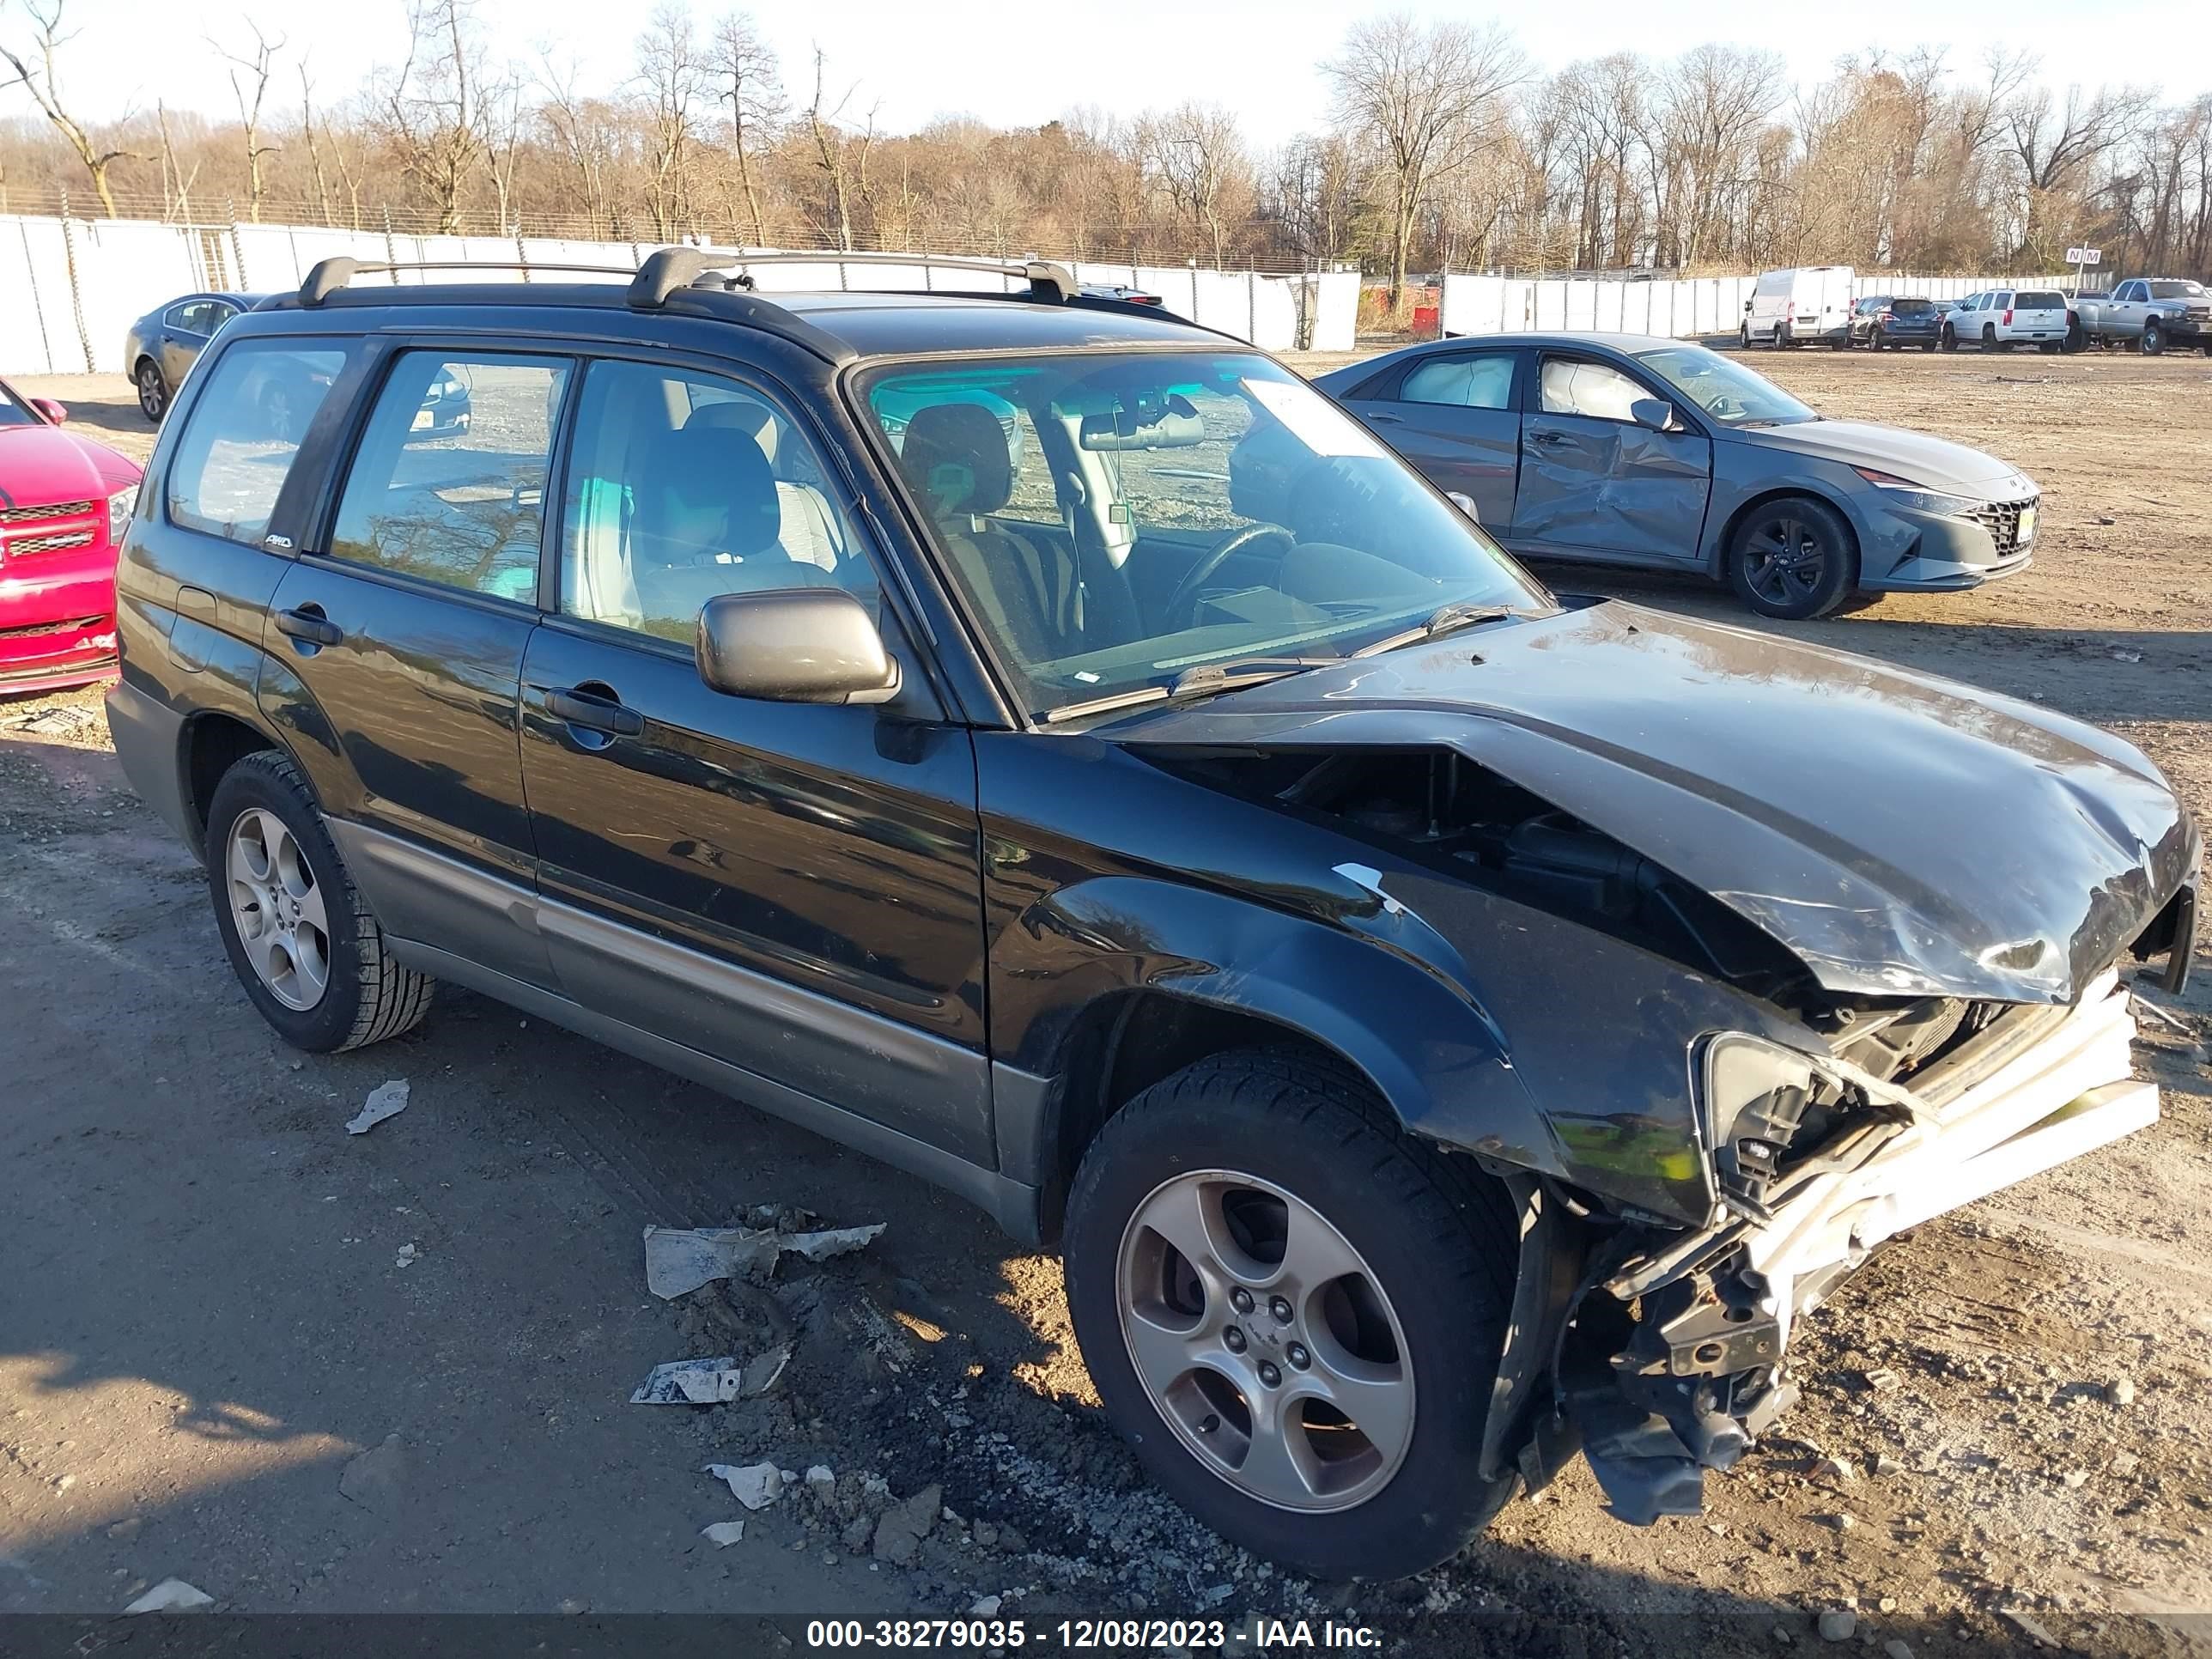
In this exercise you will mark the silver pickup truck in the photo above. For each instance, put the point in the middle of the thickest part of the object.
(2150, 313)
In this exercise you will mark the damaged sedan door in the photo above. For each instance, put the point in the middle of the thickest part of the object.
(1609, 468)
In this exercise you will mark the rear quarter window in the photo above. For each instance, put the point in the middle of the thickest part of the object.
(242, 433)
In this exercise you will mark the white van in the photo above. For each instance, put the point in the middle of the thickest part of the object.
(1789, 307)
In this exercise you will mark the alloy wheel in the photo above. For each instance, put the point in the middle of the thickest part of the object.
(1784, 559)
(1265, 1341)
(276, 906)
(153, 396)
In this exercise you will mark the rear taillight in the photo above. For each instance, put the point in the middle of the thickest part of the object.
(1887, 318)
(2007, 317)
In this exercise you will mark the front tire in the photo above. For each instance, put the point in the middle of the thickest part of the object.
(153, 390)
(1793, 558)
(2154, 338)
(298, 935)
(1949, 338)
(1743, 337)
(1293, 1314)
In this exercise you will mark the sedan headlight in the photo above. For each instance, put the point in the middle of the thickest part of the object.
(1905, 493)
(120, 506)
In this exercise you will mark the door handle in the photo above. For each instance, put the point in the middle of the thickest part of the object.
(1548, 437)
(309, 626)
(1381, 418)
(594, 713)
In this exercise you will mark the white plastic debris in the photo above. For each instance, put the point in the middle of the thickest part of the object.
(171, 1595)
(723, 1533)
(679, 1260)
(756, 1485)
(386, 1100)
(710, 1381)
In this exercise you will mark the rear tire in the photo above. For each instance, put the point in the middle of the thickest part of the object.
(1875, 340)
(1793, 558)
(153, 390)
(271, 861)
(1270, 1160)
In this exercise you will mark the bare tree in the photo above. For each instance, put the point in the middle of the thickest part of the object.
(580, 129)
(34, 73)
(432, 108)
(314, 146)
(1198, 157)
(831, 147)
(1428, 96)
(172, 171)
(256, 68)
(753, 85)
(670, 82)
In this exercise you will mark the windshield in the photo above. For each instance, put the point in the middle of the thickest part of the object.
(1116, 519)
(2176, 290)
(1723, 388)
(12, 410)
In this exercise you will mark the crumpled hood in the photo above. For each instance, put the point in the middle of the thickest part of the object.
(1913, 456)
(42, 465)
(1902, 835)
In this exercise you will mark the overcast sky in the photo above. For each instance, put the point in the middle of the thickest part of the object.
(1020, 65)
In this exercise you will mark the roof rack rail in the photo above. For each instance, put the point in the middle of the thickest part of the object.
(338, 271)
(668, 269)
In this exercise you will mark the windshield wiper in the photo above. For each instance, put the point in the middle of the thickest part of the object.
(1200, 680)
(1441, 620)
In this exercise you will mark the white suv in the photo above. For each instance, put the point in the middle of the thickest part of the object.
(2002, 318)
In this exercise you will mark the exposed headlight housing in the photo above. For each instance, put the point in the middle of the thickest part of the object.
(1905, 493)
(120, 506)
(1752, 1096)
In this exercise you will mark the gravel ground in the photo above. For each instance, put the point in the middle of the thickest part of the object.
(213, 1312)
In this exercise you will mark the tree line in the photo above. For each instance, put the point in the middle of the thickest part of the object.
(1445, 148)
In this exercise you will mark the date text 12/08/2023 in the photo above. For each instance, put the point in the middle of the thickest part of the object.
(1258, 1635)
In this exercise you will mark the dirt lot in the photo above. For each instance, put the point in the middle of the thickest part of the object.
(217, 1302)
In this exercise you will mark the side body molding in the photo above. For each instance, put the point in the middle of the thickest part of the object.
(832, 1060)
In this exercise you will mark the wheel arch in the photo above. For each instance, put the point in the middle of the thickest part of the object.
(210, 743)
(1122, 1043)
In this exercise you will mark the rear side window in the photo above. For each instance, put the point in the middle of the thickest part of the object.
(242, 432)
(449, 482)
(1483, 381)
(2039, 300)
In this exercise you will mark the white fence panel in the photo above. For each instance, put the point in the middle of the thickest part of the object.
(38, 327)
(125, 269)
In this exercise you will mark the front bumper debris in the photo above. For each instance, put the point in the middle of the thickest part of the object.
(1689, 1364)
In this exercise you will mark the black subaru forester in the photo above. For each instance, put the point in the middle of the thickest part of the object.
(1444, 1025)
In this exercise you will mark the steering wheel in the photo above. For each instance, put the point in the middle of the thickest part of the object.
(1185, 591)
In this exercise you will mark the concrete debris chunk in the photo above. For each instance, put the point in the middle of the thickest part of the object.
(2025, 1623)
(903, 1525)
(1896, 1649)
(711, 1381)
(723, 1533)
(386, 1100)
(986, 1606)
(171, 1595)
(1833, 1472)
(679, 1260)
(405, 1257)
(756, 1484)
(1839, 1625)
(2121, 1390)
(2124, 1463)
(1883, 1382)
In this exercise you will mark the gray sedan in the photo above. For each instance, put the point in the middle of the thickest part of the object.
(1627, 450)
(162, 346)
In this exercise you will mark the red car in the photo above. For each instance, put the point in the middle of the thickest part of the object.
(65, 501)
